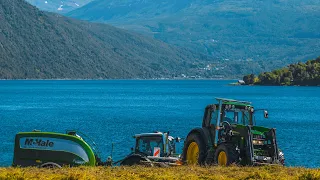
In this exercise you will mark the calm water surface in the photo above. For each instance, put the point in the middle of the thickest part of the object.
(113, 111)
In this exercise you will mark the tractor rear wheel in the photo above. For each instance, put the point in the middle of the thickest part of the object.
(226, 154)
(194, 151)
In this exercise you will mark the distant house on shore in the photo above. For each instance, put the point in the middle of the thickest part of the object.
(241, 82)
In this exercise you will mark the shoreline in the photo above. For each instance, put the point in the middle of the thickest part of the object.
(204, 79)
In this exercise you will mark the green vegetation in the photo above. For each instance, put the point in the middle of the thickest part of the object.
(184, 172)
(303, 74)
(40, 45)
(283, 30)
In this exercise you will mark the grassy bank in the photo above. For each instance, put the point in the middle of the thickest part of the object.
(184, 172)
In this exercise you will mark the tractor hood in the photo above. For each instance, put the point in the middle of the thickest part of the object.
(258, 130)
(255, 132)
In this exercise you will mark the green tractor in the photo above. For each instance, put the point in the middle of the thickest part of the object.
(229, 136)
(153, 149)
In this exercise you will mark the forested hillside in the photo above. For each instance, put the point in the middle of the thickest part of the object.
(283, 30)
(39, 45)
(305, 74)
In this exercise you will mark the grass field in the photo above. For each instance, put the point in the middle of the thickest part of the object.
(184, 172)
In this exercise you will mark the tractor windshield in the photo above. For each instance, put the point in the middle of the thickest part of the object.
(236, 116)
(148, 144)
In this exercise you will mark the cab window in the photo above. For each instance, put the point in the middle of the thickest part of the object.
(236, 116)
(147, 144)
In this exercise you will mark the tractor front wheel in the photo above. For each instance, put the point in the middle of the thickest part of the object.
(226, 154)
(194, 150)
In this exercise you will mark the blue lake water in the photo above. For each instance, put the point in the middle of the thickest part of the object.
(115, 110)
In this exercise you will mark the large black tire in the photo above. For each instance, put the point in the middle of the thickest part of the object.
(136, 159)
(202, 150)
(231, 155)
(131, 160)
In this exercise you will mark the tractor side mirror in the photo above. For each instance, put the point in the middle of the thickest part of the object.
(265, 113)
(178, 139)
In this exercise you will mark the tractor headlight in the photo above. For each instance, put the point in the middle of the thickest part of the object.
(257, 142)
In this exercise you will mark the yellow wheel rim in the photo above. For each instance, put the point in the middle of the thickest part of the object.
(193, 153)
(222, 159)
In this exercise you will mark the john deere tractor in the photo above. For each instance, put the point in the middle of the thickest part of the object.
(229, 136)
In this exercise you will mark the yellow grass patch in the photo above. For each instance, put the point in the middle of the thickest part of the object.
(183, 172)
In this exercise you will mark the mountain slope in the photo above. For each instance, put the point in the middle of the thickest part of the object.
(230, 29)
(36, 44)
(58, 5)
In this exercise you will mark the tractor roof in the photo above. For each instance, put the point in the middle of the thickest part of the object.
(148, 134)
(234, 102)
(237, 104)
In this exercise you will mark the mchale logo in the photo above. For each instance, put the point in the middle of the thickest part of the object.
(38, 142)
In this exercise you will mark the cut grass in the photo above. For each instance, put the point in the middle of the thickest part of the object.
(183, 172)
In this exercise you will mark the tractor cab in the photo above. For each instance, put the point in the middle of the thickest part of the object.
(242, 113)
(153, 148)
(156, 144)
(150, 144)
(232, 112)
(229, 135)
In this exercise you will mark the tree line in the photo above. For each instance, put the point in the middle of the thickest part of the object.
(303, 74)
